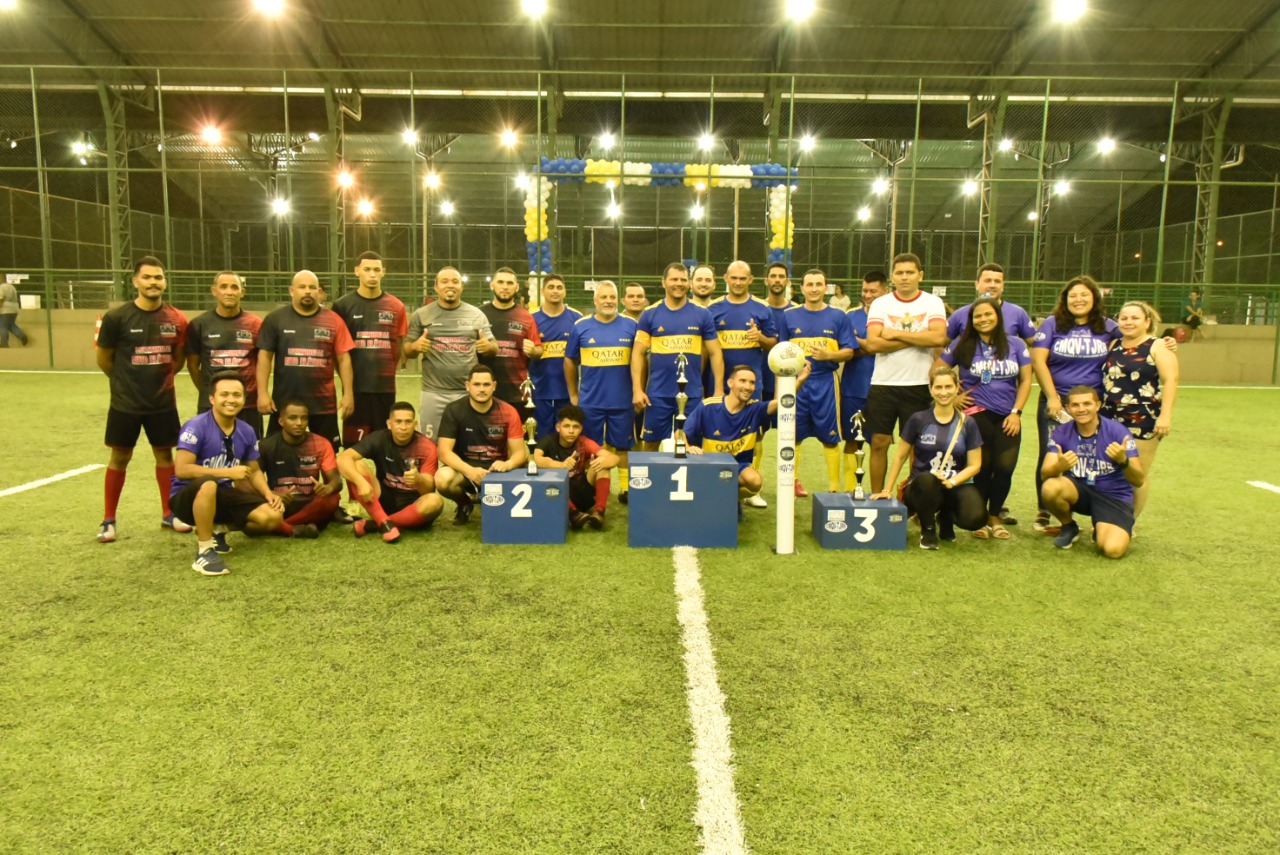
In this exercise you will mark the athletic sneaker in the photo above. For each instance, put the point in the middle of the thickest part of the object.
(742, 513)
(801, 492)
(210, 563)
(220, 544)
(174, 523)
(107, 532)
(341, 516)
(1042, 521)
(577, 519)
(357, 528)
(462, 515)
(928, 538)
(390, 534)
(947, 532)
(622, 497)
(306, 530)
(595, 520)
(1070, 534)
(1006, 518)
(756, 501)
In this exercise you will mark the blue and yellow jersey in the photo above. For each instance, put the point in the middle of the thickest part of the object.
(713, 428)
(733, 321)
(547, 373)
(826, 328)
(855, 380)
(670, 332)
(603, 353)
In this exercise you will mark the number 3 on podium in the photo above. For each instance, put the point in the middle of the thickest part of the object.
(682, 492)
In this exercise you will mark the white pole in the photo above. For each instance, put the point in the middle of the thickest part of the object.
(786, 464)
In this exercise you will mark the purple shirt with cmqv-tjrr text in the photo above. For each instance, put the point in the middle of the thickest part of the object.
(1093, 466)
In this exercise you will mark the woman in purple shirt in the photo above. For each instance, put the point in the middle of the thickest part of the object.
(995, 378)
(1069, 350)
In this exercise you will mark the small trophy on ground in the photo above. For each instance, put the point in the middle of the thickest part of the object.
(530, 425)
(682, 401)
(860, 455)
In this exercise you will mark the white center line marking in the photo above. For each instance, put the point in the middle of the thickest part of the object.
(718, 813)
(1263, 485)
(31, 485)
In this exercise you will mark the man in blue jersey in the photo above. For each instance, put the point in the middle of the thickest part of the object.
(855, 379)
(597, 372)
(827, 340)
(668, 329)
(733, 424)
(554, 320)
(1092, 467)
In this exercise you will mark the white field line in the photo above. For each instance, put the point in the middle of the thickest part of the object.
(31, 485)
(717, 813)
(1263, 485)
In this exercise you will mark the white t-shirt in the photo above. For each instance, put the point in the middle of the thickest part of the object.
(909, 366)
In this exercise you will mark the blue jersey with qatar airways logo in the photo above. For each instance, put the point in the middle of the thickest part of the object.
(713, 428)
(547, 372)
(827, 328)
(733, 322)
(670, 332)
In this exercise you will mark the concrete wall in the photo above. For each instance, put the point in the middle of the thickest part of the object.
(1227, 355)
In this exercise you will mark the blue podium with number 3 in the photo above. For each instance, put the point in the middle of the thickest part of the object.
(839, 522)
(519, 508)
(688, 501)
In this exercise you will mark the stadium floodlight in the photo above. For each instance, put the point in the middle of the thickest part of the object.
(346, 179)
(211, 134)
(8, 5)
(510, 138)
(880, 186)
(446, 208)
(864, 214)
(800, 10)
(409, 135)
(1061, 188)
(280, 207)
(313, 136)
(969, 187)
(79, 148)
(697, 211)
(808, 142)
(1006, 144)
(706, 142)
(364, 208)
(522, 181)
(431, 180)
(614, 210)
(1068, 11)
(1106, 145)
(270, 8)
(1033, 216)
(607, 140)
(534, 8)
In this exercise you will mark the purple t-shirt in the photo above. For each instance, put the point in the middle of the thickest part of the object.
(204, 438)
(1017, 323)
(993, 381)
(1094, 467)
(1075, 355)
(931, 439)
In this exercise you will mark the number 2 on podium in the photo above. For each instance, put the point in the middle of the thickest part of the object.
(682, 493)
(521, 510)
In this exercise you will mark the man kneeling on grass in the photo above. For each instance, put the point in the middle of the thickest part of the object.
(588, 465)
(403, 495)
(1092, 467)
(302, 471)
(217, 484)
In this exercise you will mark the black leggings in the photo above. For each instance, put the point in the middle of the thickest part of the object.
(999, 459)
(1042, 431)
(927, 496)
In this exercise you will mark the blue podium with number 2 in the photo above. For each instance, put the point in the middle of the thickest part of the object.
(520, 508)
(689, 501)
(839, 522)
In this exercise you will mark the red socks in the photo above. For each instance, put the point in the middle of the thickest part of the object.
(602, 493)
(407, 518)
(164, 478)
(113, 487)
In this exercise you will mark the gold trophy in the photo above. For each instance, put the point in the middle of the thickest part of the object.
(682, 400)
(526, 392)
(530, 436)
(860, 455)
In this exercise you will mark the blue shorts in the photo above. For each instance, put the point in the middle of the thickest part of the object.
(817, 410)
(658, 417)
(614, 428)
(850, 407)
(544, 410)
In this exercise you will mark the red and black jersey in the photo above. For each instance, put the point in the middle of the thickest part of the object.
(586, 448)
(376, 328)
(480, 438)
(291, 468)
(145, 344)
(226, 344)
(393, 460)
(306, 349)
(511, 327)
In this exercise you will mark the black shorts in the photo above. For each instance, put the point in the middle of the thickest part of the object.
(888, 406)
(1103, 508)
(395, 501)
(582, 493)
(321, 424)
(372, 409)
(123, 428)
(233, 505)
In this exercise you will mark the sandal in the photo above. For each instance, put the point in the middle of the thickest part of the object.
(982, 533)
(999, 532)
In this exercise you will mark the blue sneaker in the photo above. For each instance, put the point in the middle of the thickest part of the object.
(107, 532)
(1069, 535)
(172, 522)
(220, 544)
(210, 563)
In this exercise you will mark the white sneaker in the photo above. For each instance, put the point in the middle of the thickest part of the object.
(756, 501)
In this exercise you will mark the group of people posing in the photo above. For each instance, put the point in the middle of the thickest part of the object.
(261, 455)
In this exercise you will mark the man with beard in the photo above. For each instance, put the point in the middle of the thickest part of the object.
(516, 335)
(377, 323)
(226, 339)
(302, 471)
(554, 321)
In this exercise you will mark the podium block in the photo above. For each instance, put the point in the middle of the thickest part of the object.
(519, 508)
(691, 501)
(841, 523)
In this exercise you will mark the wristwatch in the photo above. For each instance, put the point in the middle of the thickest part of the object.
(1015, 412)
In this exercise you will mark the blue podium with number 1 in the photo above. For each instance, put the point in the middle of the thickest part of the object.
(688, 501)
(523, 508)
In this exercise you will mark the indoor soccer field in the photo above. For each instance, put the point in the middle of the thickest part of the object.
(343, 695)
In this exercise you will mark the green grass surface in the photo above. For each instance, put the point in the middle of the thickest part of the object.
(442, 696)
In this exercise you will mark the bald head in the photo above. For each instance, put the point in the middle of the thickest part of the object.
(305, 292)
(737, 278)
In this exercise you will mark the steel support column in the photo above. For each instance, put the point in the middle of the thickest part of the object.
(1208, 175)
(117, 150)
(338, 207)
